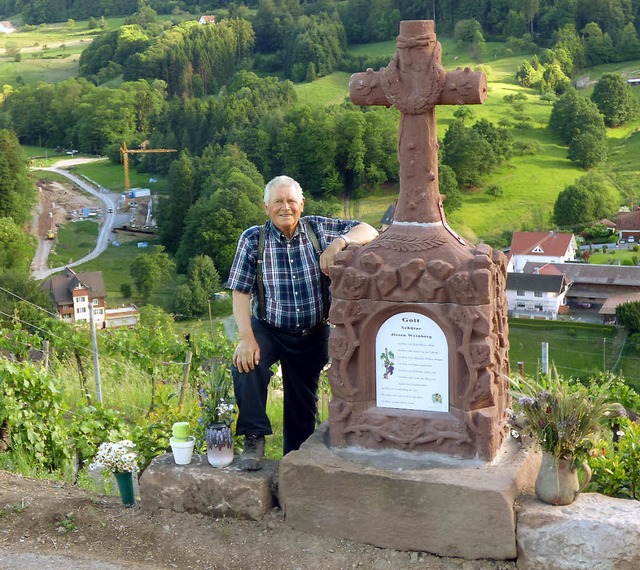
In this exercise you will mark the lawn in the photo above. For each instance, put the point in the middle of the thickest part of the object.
(576, 349)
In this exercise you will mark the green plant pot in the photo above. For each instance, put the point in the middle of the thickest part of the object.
(125, 486)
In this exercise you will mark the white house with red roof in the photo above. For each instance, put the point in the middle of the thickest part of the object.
(7, 28)
(203, 20)
(540, 247)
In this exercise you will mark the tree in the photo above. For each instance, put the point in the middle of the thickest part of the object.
(628, 315)
(469, 33)
(572, 115)
(588, 149)
(495, 191)
(16, 247)
(149, 270)
(585, 201)
(449, 188)
(17, 194)
(614, 100)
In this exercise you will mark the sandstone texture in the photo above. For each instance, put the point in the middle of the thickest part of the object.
(594, 533)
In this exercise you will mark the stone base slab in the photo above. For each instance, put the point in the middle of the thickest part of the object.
(201, 488)
(407, 501)
(593, 533)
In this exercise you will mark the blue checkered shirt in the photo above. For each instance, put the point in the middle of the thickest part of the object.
(290, 269)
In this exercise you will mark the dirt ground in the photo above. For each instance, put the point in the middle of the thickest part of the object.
(42, 520)
(57, 202)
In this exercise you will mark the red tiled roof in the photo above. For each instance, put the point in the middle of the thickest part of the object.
(628, 220)
(551, 243)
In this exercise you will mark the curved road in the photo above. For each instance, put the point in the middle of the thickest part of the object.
(105, 228)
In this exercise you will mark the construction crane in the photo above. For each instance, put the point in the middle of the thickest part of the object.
(124, 153)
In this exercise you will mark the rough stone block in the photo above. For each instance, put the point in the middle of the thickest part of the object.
(406, 501)
(200, 488)
(593, 533)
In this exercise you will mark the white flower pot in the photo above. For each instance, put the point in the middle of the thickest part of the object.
(182, 450)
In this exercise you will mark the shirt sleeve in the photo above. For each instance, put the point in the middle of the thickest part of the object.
(242, 276)
(328, 229)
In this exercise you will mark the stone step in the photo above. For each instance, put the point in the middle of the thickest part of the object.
(201, 488)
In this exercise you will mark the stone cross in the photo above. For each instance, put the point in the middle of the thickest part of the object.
(419, 350)
(414, 83)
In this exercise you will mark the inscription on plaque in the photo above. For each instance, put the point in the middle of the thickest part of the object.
(412, 368)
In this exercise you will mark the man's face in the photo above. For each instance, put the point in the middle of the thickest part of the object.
(284, 209)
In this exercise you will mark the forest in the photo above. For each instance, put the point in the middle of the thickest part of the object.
(223, 95)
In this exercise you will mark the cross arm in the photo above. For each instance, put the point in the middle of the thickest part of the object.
(462, 87)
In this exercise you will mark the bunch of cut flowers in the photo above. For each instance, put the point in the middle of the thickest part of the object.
(115, 457)
(217, 404)
(564, 417)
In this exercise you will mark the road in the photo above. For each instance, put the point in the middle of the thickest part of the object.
(109, 201)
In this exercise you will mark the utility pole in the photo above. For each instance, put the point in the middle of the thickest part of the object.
(94, 345)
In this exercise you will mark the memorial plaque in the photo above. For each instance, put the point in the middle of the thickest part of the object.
(412, 370)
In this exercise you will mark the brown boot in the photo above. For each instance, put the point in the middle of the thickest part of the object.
(252, 453)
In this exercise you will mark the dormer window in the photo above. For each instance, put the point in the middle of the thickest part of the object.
(537, 249)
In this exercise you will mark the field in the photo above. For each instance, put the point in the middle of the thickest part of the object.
(531, 183)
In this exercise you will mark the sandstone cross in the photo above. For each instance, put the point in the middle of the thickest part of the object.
(419, 349)
(414, 83)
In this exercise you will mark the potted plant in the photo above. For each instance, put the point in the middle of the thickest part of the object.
(217, 413)
(119, 459)
(565, 419)
(182, 443)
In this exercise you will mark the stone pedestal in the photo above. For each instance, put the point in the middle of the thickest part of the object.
(201, 488)
(407, 501)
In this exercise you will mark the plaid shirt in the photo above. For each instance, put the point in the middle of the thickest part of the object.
(291, 271)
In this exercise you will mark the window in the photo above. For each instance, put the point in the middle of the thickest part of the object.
(95, 301)
(537, 294)
(538, 307)
(520, 293)
(81, 299)
(520, 305)
(81, 310)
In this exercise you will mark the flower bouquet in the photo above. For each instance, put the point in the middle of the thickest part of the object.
(119, 459)
(217, 413)
(217, 404)
(565, 419)
(116, 457)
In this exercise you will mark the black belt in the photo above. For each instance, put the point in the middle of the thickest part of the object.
(302, 332)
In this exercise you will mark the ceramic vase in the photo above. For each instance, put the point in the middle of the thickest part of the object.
(125, 486)
(219, 445)
(182, 450)
(557, 482)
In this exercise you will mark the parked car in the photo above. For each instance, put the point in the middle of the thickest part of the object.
(631, 239)
(583, 305)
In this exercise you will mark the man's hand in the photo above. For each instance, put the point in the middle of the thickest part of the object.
(247, 355)
(328, 255)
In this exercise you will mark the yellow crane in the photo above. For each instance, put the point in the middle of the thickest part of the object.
(124, 153)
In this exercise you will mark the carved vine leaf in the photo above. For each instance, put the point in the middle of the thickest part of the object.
(410, 243)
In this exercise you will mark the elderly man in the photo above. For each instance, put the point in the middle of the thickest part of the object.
(280, 306)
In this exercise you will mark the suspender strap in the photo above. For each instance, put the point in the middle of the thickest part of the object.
(324, 280)
(259, 278)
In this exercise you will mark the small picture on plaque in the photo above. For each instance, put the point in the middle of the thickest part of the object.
(387, 361)
(412, 368)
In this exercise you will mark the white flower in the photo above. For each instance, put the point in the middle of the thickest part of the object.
(115, 457)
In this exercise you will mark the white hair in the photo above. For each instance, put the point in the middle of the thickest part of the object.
(278, 182)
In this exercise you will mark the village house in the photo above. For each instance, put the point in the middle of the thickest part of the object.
(77, 295)
(207, 20)
(545, 247)
(7, 28)
(628, 224)
(537, 296)
(597, 287)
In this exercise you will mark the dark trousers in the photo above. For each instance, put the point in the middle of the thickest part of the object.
(302, 358)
